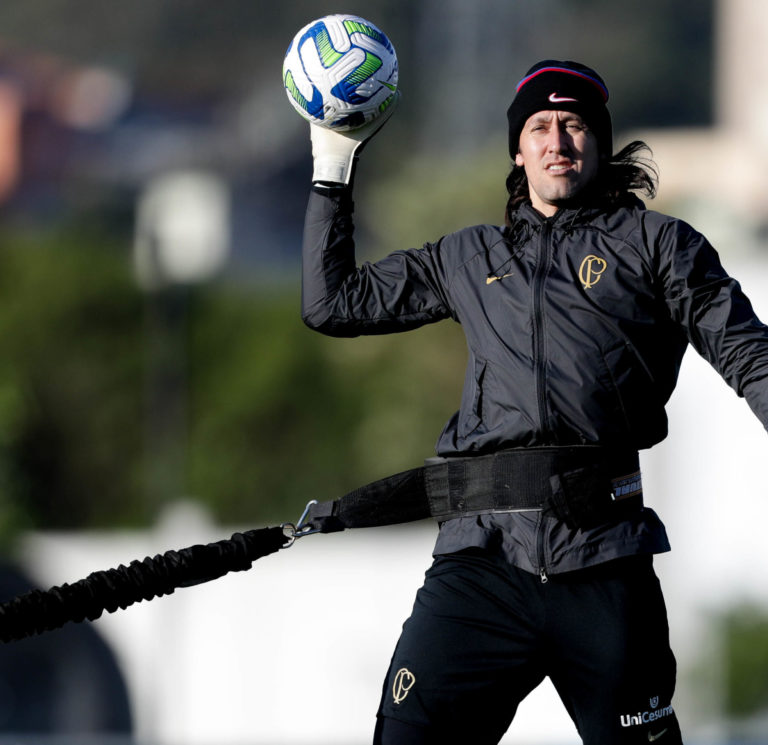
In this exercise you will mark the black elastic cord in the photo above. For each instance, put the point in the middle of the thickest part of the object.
(38, 611)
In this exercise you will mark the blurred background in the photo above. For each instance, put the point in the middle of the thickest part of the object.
(157, 386)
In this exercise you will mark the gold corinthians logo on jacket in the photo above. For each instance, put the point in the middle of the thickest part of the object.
(404, 680)
(591, 270)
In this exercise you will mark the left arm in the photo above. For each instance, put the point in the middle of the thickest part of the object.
(715, 313)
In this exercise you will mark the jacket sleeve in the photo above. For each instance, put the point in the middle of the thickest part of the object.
(716, 314)
(400, 292)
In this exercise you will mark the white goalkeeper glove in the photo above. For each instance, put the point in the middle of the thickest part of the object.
(334, 153)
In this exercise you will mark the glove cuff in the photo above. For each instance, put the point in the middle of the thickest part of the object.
(334, 168)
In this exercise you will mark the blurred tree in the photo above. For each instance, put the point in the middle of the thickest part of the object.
(431, 196)
(273, 414)
(280, 415)
(744, 631)
(70, 341)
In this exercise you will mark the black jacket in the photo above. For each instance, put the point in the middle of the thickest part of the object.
(576, 325)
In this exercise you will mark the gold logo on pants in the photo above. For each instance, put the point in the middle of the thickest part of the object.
(591, 269)
(404, 680)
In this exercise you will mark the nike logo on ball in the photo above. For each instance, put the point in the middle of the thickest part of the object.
(554, 98)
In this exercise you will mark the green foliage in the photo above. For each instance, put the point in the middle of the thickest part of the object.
(112, 402)
(70, 381)
(280, 415)
(745, 643)
(432, 196)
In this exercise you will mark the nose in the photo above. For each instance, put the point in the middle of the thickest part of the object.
(557, 141)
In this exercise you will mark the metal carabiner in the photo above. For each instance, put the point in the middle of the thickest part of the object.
(303, 528)
(298, 530)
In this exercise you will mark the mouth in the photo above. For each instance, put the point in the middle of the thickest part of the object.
(558, 169)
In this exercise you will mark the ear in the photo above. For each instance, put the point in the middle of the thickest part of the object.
(519, 160)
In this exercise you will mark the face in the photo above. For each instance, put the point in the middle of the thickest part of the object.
(560, 157)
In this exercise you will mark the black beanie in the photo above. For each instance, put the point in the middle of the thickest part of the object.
(552, 85)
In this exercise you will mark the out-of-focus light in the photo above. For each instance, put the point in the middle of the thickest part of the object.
(182, 229)
(93, 98)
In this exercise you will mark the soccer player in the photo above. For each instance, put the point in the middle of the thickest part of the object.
(576, 313)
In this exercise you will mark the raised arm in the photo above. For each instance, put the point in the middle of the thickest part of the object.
(402, 291)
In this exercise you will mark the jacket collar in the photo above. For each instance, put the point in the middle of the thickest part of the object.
(564, 216)
(576, 214)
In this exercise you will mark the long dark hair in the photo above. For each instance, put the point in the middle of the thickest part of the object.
(629, 170)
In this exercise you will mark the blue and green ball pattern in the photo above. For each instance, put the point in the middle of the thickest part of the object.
(346, 90)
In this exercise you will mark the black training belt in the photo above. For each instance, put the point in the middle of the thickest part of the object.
(582, 485)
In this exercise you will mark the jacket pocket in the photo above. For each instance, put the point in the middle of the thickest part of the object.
(472, 398)
(633, 388)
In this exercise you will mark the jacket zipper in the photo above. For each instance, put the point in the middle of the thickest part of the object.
(540, 367)
(539, 336)
(542, 561)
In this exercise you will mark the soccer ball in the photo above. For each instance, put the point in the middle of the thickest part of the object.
(340, 72)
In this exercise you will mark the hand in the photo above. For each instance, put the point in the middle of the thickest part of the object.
(334, 153)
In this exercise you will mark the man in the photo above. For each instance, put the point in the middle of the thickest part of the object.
(577, 314)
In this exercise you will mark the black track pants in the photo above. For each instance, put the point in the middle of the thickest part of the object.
(484, 634)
